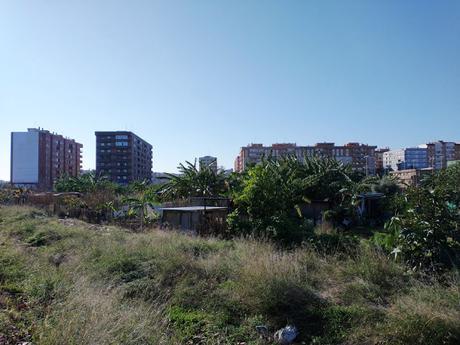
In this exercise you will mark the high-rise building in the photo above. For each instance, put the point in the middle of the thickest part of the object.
(39, 157)
(403, 159)
(441, 152)
(208, 161)
(360, 157)
(123, 157)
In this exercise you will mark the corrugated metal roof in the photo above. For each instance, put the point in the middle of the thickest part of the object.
(193, 208)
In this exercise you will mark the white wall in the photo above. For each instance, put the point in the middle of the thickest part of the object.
(24, 160)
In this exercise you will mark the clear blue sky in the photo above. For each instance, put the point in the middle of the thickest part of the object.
(207, 77)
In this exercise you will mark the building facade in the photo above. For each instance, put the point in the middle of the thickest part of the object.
(360, 157)
(123, 157)
(39, 157)
(441, 152)
(208, 161)
(404, 159)
(379, 166)
(411, 177)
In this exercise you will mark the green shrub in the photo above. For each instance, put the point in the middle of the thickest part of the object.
(333, 244)
(426, 233)
(12, 267)
(43, 238)
(188, 323)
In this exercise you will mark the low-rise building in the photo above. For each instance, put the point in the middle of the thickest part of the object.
(451, 163)
(160, 177)
(411, 177)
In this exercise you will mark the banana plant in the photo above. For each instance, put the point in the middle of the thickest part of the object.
(139, 204)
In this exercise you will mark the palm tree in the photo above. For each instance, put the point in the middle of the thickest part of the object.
(193, 182)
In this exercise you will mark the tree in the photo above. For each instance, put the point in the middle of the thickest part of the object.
(425, 231)
(99, 194)
(193, 182)
(85, 183)
(272, 193)
(140, 204)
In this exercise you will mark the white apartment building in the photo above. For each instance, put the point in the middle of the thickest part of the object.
(408, 158)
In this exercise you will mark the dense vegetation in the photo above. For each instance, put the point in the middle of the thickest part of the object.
(273, 200)
(386, 277)
(77, 283)
(270, 202)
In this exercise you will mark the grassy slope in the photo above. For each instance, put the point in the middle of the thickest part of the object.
(116, 287)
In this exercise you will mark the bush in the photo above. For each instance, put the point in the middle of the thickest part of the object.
(425, 233)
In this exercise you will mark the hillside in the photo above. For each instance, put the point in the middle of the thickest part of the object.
(69, 282)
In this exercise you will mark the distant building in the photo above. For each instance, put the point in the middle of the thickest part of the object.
(226, 172)
(123, 157)
(379, 166)
(359, 156)
(208, 161)
(254, 153)
(160, 177)
(87, 171)
(441, 152)
(39, 157)
(451, 163)
(411, 177)
(403, 159)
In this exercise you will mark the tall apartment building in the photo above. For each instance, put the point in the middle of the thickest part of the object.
(408, 158)
(361, 157)
(441, 152)
(123, 157)
(208, 161)
(39, 157)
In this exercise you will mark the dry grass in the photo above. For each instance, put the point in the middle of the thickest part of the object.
(96, 315)
(117, 287)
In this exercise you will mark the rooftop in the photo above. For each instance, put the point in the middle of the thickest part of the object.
(193, 208)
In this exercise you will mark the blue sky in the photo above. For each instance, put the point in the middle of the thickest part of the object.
(207, 77)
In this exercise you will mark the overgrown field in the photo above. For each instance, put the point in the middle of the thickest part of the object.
(68, 282)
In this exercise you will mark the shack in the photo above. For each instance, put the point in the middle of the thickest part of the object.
(369, 206)
(198, 219)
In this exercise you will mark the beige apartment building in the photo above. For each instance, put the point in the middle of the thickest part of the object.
(411, 177)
